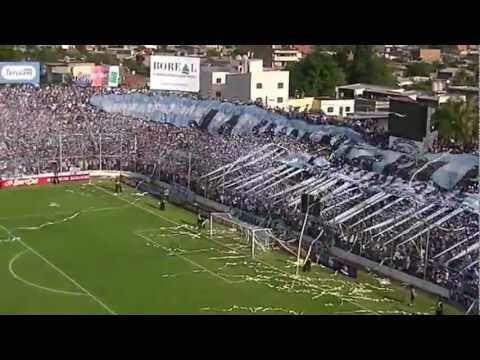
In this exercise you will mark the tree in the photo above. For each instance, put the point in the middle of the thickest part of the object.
(82, 49)
(212, 53)
(421, 85)
(315, 75)
(457, 121)
(463, 78)
(46, 55)
(133, 65)
(419, 69)
(102, 58)
(450, 49)
(365, 67)
(8, 53)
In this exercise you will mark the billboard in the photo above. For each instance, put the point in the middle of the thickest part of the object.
(92, 75)
(175, 73)
(113, 76)
(26, 72)
(82, 75)
(99, 76)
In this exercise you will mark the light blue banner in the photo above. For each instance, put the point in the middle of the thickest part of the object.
(26, 72)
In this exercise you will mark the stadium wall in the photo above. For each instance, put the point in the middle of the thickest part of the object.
(334, 251)
(390, 272)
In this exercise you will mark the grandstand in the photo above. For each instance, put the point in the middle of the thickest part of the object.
(365, 215)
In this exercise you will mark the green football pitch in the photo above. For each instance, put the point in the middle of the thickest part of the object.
(81, 249)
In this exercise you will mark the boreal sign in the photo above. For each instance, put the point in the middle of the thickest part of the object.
(175, 73)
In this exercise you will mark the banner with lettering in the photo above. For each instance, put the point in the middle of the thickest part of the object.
(26, 72)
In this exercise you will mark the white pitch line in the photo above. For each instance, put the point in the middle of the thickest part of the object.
(63, 273)
(267, 264)
(147, 238)
(16, 276)
(87, 210)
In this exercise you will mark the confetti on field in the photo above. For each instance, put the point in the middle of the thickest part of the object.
(253, 309)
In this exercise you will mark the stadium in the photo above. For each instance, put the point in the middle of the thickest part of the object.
(115, 201)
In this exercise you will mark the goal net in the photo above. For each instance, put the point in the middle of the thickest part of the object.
(254, 239)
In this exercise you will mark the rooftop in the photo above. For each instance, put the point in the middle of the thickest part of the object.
(359, 115)
(370, 87)
(464, 88)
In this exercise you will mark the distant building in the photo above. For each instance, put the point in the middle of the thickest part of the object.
(334, 106)
(301, 104)
(366, 90)
(449, 73)
(427, 55)
(363, 105)
(275, 56)
(399, 69)
(213, 75)
(282, 57)
(213, 82)
(122, 52)
(133, 81)
(471, 93)
(436, 100)
(64, 72)
(305, 50)
(257, 84)
(379, 119)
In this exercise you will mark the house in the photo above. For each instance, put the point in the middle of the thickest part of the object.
(274, 56)
(468, 91)
(134, 81)
(437, 99)
(255, 83)
(282, 57)
(427, 55)
(122, 52)
(379, 119)
(63, 72)
(449, 73)
(371, 105)
(301, 104)
(334, 106)
(399, 69)
(305, 50)
(213, 81)
(360, 90)
(471, 93)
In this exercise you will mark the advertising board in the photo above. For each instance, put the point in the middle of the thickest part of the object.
(175, 73)
(26, 72)
(113, 76)
(82, 75)
(99, 76)
(42, 179)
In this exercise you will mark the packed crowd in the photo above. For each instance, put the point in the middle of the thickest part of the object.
(39, 124)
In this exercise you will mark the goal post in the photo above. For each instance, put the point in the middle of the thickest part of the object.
(257, 239)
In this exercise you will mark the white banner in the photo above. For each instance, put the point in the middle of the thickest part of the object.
(175, 73)
(113, 76)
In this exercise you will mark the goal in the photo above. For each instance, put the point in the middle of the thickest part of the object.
(256, 240)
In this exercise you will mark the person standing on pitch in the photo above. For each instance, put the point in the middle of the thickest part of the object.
(439, 308)
(307, 267)
(118, 185)
(413, 295)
